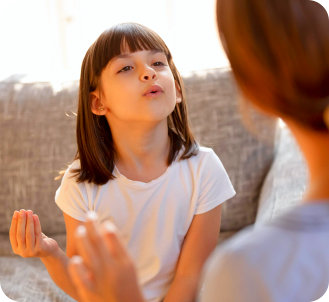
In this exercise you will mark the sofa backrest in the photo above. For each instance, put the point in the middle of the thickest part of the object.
(247, 154)
(37, 140)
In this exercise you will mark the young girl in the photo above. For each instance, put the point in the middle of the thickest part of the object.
(138, 166)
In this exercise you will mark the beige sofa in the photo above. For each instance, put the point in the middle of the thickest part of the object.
(37, 138)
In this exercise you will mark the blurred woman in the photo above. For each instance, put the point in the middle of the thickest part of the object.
(279, 54)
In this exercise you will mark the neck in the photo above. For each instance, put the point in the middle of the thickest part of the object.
(315, 148)
(141, 147)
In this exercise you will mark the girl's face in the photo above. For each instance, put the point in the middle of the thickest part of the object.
(136, 87)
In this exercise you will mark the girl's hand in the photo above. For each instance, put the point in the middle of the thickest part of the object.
(26, 237)
(104, 270)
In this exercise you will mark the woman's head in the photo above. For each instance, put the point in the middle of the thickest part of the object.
(279, 54)
(95, 145)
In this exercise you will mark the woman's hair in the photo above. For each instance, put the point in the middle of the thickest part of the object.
(279, 55)
(95, 144)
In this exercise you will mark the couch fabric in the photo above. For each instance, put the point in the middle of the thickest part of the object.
(286, 181)
(37, 140)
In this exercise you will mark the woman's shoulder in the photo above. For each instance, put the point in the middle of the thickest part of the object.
(263, 253)
(247, 253)
(297, 226)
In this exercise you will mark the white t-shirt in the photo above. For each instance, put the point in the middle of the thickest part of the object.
(153, 218)
(286, 260)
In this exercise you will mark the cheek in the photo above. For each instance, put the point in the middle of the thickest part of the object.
(171, 93)
(170, 86)
(116, 95)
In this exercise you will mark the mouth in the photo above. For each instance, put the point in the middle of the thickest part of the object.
(153, 90)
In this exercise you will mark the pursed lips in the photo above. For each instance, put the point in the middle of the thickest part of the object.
(153, 90)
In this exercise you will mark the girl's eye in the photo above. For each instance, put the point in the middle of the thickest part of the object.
(126, 68)
(159, 63)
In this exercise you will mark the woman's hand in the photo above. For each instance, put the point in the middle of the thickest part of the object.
(104, 270)
(26, 237)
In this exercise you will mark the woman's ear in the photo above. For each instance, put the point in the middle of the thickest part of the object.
(96, 104)
(178, 94)
(326, 117)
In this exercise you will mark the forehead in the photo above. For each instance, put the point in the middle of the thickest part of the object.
(129, 54)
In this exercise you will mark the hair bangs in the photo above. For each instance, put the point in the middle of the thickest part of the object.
(136, 37)
(125, 37)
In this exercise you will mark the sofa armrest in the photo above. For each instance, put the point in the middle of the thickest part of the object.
(286, 181)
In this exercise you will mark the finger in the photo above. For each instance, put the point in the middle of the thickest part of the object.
(21, 225)
(37, 229)
(112, 240)
(80, 277)
(93, 228)
(94, 234)
(79, 273)
(86, 249)
(13, 231)
(30, 235)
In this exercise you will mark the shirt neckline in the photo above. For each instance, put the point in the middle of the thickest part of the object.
(141, 184)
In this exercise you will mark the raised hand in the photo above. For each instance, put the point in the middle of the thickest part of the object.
(26, 237)
(104, 270)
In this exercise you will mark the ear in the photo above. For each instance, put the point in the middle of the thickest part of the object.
(178, 94)
(95, 103)
(326, 116)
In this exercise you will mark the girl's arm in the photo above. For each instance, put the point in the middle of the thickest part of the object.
(57, 263)
(200, 241)
(27, 240)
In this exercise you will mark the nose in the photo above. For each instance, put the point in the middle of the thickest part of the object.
(148, 74)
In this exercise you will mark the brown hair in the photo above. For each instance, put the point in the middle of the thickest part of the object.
(95, 145)
(279, 55)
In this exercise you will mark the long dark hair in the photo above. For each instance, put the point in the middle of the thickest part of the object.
(96, 150)
(279, 54)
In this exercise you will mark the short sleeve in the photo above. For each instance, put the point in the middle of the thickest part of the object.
(71, 196)
(215, 186)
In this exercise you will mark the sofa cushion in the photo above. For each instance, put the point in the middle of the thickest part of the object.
(286, 181)
(214, 107)
(37, 141)
(28, 280)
